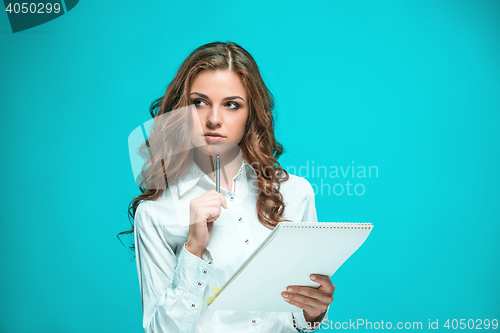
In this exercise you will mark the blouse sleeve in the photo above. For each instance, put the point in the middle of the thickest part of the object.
(300, 324)
(171, 288)
(310, 205)
(310, 215)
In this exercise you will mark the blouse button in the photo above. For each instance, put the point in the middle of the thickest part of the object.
(246, 241)
(193, 305)
(240, 219)
(210, 262)
(254, 321)
(204, 271)
(199, 284)
(231, 198)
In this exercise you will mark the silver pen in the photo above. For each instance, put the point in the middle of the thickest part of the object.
(217, 173)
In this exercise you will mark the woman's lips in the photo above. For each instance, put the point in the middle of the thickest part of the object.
(211, 138)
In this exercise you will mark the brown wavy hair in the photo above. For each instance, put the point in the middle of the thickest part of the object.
(259, 146)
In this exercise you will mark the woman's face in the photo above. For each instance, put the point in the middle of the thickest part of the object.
(222, 105)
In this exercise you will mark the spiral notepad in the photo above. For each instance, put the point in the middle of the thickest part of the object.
(288, 256)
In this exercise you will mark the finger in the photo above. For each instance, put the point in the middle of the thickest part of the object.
(214, 211)
(324, 281)
(213, 218)
(216, 202)
(320, 301)
(304, 293)
(223, 199)
(303, 306)
(214, 193)
(209, 212)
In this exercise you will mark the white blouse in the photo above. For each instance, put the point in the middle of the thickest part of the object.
(175, 283)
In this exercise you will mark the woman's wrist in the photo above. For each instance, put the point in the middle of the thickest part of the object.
(196, 250)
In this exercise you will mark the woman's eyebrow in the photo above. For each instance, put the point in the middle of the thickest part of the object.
(224, 99)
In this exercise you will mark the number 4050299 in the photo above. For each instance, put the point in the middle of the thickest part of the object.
(33, 8)
(471, 324)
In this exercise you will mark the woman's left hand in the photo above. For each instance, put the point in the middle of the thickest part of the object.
(312, 300)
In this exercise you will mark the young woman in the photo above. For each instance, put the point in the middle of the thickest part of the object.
(180, 266)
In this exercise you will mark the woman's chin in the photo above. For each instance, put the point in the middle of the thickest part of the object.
(218, 148)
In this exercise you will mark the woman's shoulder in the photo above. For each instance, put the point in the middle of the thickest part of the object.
(143, 212)
(296, 186)
(154, 210)
(299, 198)
(296, 182)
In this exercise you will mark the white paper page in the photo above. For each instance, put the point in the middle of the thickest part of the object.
(292, 256)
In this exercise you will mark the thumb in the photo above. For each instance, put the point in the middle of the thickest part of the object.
(223, 200)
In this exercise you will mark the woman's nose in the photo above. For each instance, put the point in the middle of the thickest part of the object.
(214, 117)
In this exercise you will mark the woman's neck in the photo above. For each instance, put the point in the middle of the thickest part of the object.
(230, 164)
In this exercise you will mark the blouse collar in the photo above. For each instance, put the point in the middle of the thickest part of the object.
(194, 174)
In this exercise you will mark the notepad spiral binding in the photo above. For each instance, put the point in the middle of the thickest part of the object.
(322, 225)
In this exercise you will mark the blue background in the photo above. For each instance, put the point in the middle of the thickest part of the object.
(412, 88)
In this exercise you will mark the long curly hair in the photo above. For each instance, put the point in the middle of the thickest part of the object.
(259, 146)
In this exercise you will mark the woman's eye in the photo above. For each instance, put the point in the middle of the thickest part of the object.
(197, 102)
(233, 105)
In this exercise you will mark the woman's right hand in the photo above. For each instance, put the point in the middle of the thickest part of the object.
(204, 210)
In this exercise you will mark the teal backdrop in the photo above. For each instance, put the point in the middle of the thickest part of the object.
(411, 89)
